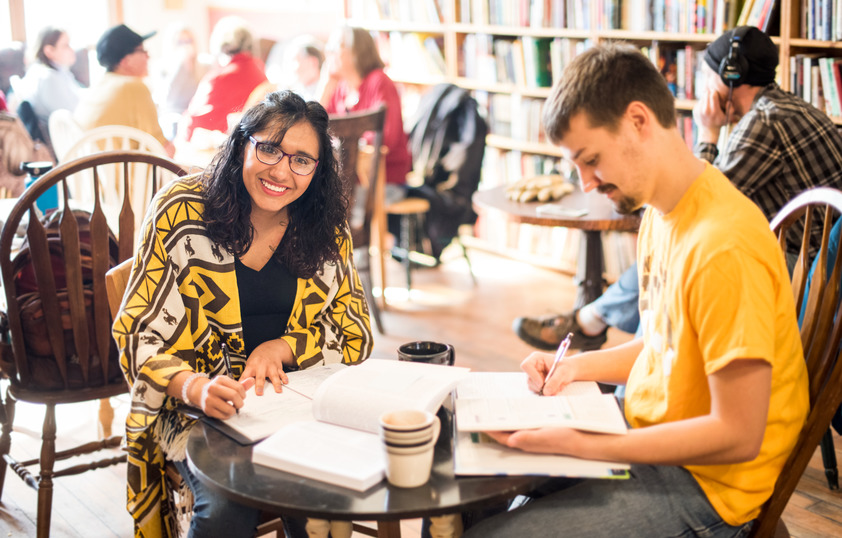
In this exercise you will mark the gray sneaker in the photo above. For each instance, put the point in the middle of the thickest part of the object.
(547, 332)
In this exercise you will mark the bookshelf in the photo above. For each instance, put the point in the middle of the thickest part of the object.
(510, 52)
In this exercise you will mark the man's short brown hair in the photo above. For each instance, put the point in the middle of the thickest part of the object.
(601, 82)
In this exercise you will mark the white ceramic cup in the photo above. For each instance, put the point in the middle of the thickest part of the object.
(409, 427)
(409, 439)
(409, 467)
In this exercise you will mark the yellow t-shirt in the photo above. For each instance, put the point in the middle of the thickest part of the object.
(119, 100)
(715, 288)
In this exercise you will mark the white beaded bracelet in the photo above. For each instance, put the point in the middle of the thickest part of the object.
(187, 383)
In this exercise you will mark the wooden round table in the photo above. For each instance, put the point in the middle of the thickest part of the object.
(600, 217)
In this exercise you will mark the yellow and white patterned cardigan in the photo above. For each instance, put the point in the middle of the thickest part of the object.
(181, 304)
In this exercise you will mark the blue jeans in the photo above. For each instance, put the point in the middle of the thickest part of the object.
(618, 305)
(216, 515)
(661, 501)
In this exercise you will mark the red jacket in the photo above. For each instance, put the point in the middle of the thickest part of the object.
(378, 88)
(222, 91)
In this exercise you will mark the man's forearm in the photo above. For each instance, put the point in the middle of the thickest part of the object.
(608, 365)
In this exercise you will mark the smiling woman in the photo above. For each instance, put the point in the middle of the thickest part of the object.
(253, 253)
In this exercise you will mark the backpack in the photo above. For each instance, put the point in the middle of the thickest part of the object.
(45, 374)
(447, 142)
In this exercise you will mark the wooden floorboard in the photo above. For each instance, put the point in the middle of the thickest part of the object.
(444, 305)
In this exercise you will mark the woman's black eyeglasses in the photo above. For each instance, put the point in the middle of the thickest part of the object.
(270, 154)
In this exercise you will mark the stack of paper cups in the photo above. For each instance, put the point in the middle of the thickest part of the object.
(409, 438)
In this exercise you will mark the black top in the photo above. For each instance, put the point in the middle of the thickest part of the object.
(266, 299)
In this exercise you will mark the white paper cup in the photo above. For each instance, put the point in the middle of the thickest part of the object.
(409, 439)
(409, 427)
(409, 467)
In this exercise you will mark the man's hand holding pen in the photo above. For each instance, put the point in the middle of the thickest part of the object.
(548, 373)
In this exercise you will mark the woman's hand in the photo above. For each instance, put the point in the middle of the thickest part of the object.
(219, 397)
(267, 361)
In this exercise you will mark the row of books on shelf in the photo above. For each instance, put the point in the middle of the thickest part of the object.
(699, 16)
(681, 66)
(516, 117)
(423, 11)
(527, 61)
(821, 19)
(412, 55)
(818, 81)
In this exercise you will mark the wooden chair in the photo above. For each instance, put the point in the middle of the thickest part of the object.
(83, 362)
(821, 334)
(64, 132)
(348, 131)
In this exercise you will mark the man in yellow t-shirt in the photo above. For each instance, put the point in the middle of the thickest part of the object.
(121, 97)
(717, 386)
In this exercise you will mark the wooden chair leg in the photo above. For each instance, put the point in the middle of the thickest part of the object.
(831, 472)
(467, 259)
(106, 418)
(389, 529)
(7, 416)
(45, 480)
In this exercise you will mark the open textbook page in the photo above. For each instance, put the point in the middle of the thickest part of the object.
(501, 401)
(261, 416)
(341, 444)
(357, 396)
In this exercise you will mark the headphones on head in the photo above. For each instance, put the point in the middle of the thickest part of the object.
(733, 68)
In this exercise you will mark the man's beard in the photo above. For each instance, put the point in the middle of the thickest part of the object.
(625, 205)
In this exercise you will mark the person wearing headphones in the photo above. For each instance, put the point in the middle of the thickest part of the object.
(779, 147)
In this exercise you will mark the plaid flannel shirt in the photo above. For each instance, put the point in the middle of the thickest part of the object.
(780, 148)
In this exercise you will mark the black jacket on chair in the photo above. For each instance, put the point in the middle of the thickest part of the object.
(447, 141)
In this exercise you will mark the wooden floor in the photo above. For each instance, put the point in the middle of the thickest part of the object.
(444, 305)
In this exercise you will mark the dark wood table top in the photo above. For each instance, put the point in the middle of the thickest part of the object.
(601, 214)
(224, 465)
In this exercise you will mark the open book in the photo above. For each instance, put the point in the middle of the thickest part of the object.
(261, 416)
(501, 401)
(340, 444)
(476, 454)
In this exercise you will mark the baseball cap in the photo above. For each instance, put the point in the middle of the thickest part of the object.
(117, 43)
(755, 46)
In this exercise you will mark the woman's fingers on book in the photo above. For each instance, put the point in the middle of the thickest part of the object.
(247, 382)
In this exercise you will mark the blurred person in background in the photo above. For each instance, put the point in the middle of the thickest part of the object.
(353, 80)
(299, 69)
(225, 88)
(121, 97)
(48, 84)
(178, 75)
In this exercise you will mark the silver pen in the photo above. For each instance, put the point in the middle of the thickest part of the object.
(559, 354)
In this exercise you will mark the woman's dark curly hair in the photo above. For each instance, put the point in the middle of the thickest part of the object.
(316, 219)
